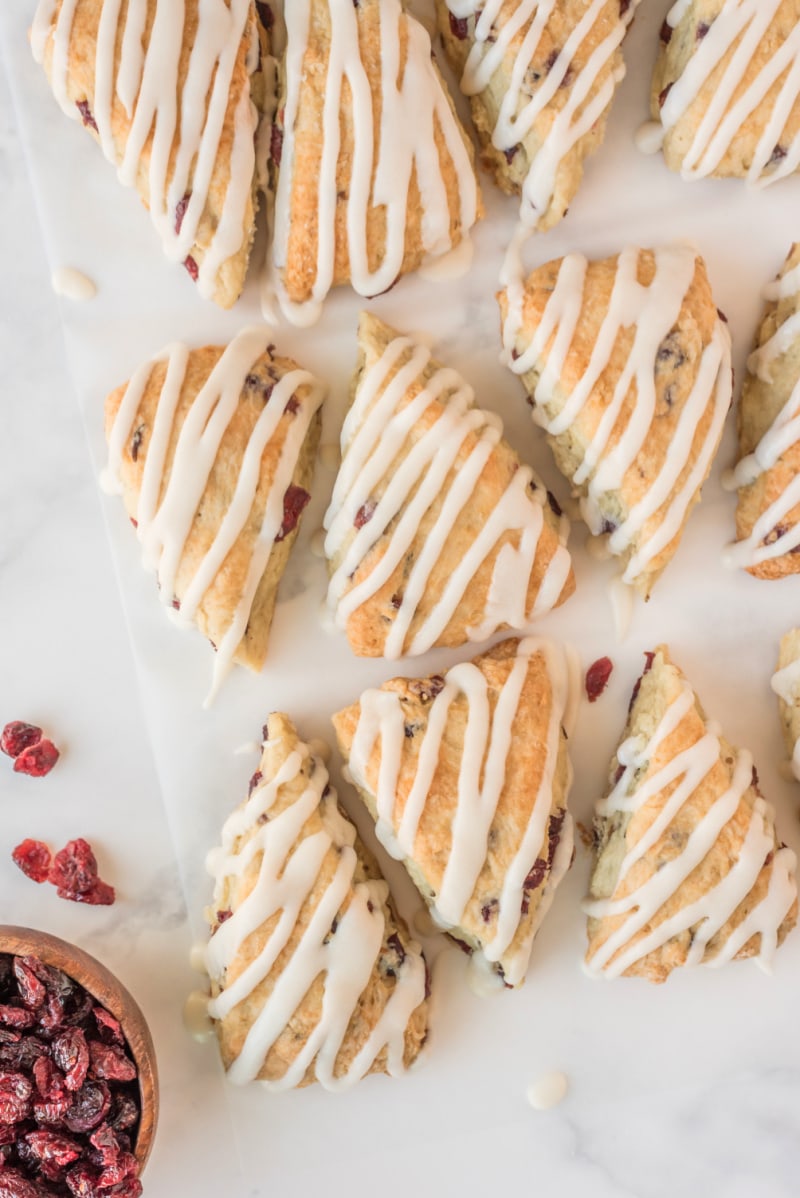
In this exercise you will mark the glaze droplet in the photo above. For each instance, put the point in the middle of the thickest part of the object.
(649, 137)
(72, 284)
(548, 1091)
(196, 1018)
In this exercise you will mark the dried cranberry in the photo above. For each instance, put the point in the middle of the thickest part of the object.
(109, 1027)
(17, 736)
(49, 1079)
(130, 1188)
(458, 27)
(22, 1053)
(37, 760)
(191, 266)
(124, 1113)
(86, 114)
(89, 1107)
(118, 1171)
(136, 445)
(365, 513)
(14, 1185)
(666, 33)
(597, 677)
(110, 1062)
(15, 1097)
(180, 211)
(100, 894)
(106, 1142)
(33, 857)
(71, 1054)
(701, 30)
(265, 14)
(82, 1181)
(276, 144)
(13, 1016)
(52, 1110)
(662, 95)
(292, 405)
(511, 153)
(49, 1146)
(75, 867)
(294, 501)
(31, 990)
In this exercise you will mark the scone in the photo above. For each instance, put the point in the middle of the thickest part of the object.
(213, 451)
(627, 364)
(768, 474)
(171, 97)
(689, 869)
(786, 685)
(726, 89)
(436, 533)
(314, 977)
(540, 78)
(375, 173)
(467, 775)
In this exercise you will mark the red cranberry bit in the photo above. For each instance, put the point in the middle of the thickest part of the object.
(662, 95)
(365, 513)
(31, 990)
(597, 677)
(33, 858)
(254, 781)
(777, 155)
(294, 501)
(109, 1062)
(293, 406)
(108, 1027)
(276, 144)
(49, 1080)
(51, 1147)
(265, 14)
(701, 31)
(37, 760)
(136, 444)
(14, 1185)
(89, 1108)
(648, 661)
(511, 153)
(15, 1097)
(191, 266)
(180, 211)
(17, 736)
(666, 33)
(624, 5)
(16, 1017)
(71, 1055)
(86, 114)
(100, 895)
(222, 916)
(75, 867)
(459, 27)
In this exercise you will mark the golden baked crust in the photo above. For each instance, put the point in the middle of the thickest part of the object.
(303, 197)
(233, 168)
(526, 845)
(287, 777)
(682, 815)
(555, 133)
(267, 485)
(767, 394)
(786, 684)
(445, 565)
(618, 444)
(712, 90)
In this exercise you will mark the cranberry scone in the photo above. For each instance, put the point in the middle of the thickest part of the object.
(767, 476)
(375, 173)
(466, 775)
(436, 533)
(314, 976)
(627, 364)
(786, 685)
(689, 869)
(726, 89)
(213, 452)
(171, 96)
(540, 77)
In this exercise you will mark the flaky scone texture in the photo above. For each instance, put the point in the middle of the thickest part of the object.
(674, 366)
(651, 831)
(221, 598)
(326, 824)
(729, 91)
(535, 783)
(549, 135)
(129, 129)
(789, 693)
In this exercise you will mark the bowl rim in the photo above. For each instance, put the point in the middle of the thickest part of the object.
(107, 989)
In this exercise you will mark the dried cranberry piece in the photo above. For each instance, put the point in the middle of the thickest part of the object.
(15, 1097)
(130, 1188)
(31, 990)
(294, 501)
(597, 677)
(666, 34)
(49, 1079)
(52, 1110)
(86, 114)
(124, 1113)
(14, 1185)
(265, 14)
(82, 1181)
(136, 445)
(101, 894)
(191, 267)
(37, 760)
(22, 1053)
(17, 736)
(90, 1107)
(254, 781)
(74, 868)
(71, 1055)
(662, 95)
(33, 857)
(180, 211)
(14, 1016)
(107, 1144)
(110, 1062)
(118, 1171)
(276, 144)
(365, 513)
(54, 1148)
(109, 1027)
(458, 27)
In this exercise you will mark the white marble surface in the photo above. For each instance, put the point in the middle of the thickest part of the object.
(693, 1088)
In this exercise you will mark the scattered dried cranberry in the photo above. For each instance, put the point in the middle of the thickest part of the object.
(458, 27)
(37, 760)
(180, 210)
(33, 857)
(86, 114)
(265, 14)
(75, 867)
(191, 266)
(17, 736)
(294, 501)
(597, 677)
(365, 513)
(98, 895)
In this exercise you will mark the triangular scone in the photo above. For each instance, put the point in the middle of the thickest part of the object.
(540, 78)
(376, 173)
(314, 977)
(467, 775)
(689, 869)
(786, 685)
(436, 534)
(171, 96)
(627, 364)
(213, 451)
(726, 89)
(768, 474)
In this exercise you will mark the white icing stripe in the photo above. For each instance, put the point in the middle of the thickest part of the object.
(643, 905)
(520, 108)
(481, 778)
(178, 126)
(168, 502)
(785, 682)
(289, 864)
(411, 108)
(652, 311)
(377, 429)
(739, 30)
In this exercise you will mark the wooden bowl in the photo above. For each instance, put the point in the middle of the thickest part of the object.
(111, 994)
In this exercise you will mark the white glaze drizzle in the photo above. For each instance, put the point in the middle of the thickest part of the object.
(652, 312)
(167, 506)
(519, 109)
(412, 105)
(712, 909)
(785, 682)
(178, 127)
(289, 863)
(548, 1091)
(376, 429)
(487, 740)
(779, 438)
(649, 137)
(741, 26)
(73, 284)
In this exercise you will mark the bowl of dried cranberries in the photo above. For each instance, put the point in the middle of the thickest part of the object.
(78, 1079)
